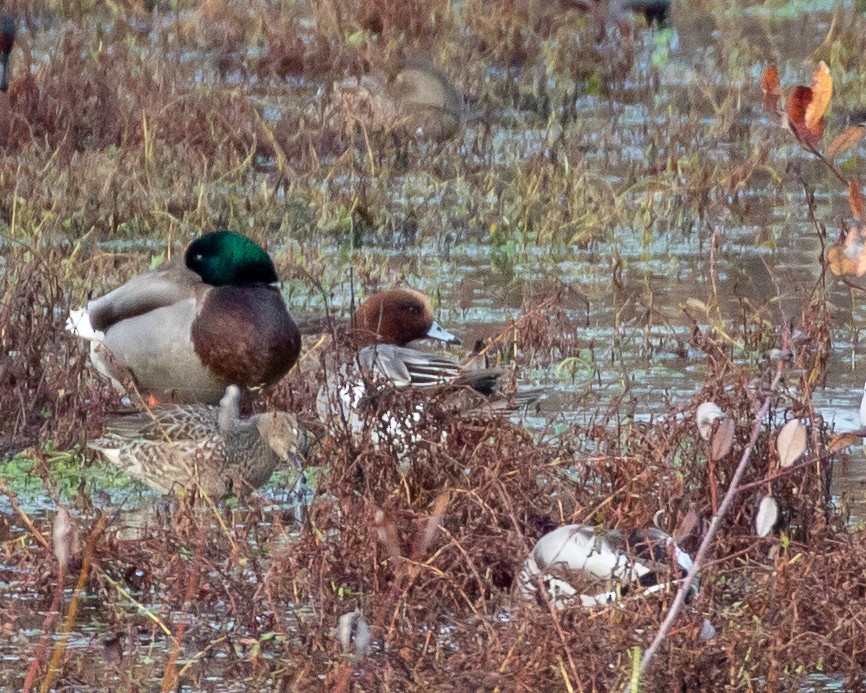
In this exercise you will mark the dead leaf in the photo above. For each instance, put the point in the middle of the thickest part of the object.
(706, 416)
(798, 102)
(686, 525)
(822, 91)
(855, 198)
(840, 441)
(723, 438)
(697, 304)
(845, 140)
(770, 87)
(837, 261)
(768, 514)
(849, 256)
(806, 107)
(61, 537)
(791, 443)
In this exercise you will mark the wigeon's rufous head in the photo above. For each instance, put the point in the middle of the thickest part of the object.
(397, 316)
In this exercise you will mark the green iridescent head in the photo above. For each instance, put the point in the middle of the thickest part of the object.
(224, 258)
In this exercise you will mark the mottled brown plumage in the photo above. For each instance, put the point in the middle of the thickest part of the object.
(182, 447)
(417, 99)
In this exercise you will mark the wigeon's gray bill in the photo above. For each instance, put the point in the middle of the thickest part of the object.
(436, 331)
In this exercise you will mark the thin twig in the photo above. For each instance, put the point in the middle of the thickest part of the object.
(715, 524)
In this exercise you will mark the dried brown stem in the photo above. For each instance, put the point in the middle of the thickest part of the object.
(715, 524)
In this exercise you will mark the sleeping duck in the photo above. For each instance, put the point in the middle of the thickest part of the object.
(597, 566)
(184, 446)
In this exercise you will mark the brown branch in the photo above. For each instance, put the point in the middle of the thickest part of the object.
(715, 524)
(54, 666)
(170, 678)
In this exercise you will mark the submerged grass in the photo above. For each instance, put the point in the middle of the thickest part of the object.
(148, 124)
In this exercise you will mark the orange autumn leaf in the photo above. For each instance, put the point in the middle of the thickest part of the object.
(770, 87)
(798, 102)
(845, 140)
(848, 257)
(855, 199)
(822, 90)
(807, 105)
(836, 261)
(840, 441)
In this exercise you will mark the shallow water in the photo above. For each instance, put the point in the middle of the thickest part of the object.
(629, 296)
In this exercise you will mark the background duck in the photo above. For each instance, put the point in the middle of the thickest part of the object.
(7, 39)
(187, 330)
(417, 99)
(184, 446)
(596, 565)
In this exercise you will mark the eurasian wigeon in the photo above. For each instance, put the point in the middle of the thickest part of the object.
(378, 334)
(593, 566)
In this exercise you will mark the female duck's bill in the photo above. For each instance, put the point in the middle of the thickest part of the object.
(188, 329)
(7, 39)
(597, 566)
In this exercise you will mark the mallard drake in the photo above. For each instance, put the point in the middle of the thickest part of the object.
(184, 446)
(575, 561)
(187, 330)
(7, 39)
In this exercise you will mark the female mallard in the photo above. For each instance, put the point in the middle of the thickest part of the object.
(596, 566)
(417, 99)
(187, 330)
(185, 446)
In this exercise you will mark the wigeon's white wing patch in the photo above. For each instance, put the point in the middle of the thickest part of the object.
(575, 560)
(78, 323)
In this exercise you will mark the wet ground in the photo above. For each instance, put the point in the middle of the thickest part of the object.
(632, 298)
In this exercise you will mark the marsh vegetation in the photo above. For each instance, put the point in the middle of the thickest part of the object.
(601, 199)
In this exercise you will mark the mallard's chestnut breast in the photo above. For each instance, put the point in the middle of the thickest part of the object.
(245, 335)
